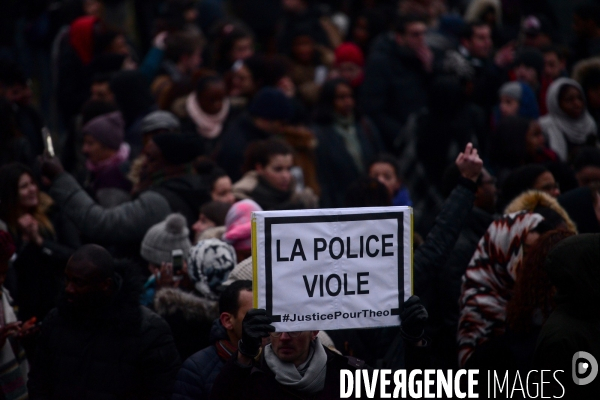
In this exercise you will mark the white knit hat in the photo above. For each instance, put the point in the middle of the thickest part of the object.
(164, 237)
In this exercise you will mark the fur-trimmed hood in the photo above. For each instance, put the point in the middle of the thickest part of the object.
(193, 308)
(531, 199)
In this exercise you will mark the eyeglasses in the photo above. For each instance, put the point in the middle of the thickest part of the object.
(290, 334)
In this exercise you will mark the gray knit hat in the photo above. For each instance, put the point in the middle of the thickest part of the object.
(242, 271)
(164, 237)
(159, 120)
(511, 89)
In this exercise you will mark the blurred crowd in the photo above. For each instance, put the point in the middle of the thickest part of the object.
(138, 136)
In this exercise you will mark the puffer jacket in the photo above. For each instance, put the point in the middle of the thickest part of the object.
(198, 373)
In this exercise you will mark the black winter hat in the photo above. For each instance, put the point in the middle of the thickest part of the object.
(531, 57)
(271, 104)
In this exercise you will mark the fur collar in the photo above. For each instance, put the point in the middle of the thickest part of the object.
(169, 301)
(531, 199)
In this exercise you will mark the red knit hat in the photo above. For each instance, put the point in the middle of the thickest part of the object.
(349, 52)
(7, 246)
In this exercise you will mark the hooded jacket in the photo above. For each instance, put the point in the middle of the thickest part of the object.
(574, 325)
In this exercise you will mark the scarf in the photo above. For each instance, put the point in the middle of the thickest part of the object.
(115, 160)
(225, 349)
(308, 377)
(208, 126)
(559, 127)
(156, 178)
(346, 128)
(13, 364)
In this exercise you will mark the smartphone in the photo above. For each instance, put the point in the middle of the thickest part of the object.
(48, 145)
(177, 260)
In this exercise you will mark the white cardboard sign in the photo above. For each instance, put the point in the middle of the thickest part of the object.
(332, 268)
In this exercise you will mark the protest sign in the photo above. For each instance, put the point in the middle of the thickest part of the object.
(332, 268)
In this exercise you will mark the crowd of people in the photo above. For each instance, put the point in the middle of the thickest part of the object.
(138, 136)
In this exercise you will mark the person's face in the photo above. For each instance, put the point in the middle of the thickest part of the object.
(414, 37)
(343, 104)
(361, 31)
(242, 49)
(28, 192)
(480, 44)
(546, 183)
(385, 174)
(153, 159)
(293, 6)
(101, 92)
(191, 62)
(119, 46)
(571, 102)
(303, 49)
(526, 74)
(509, 106)
(242, 83)
(293, 350)
(278, 171)
(534, 139)
(588, 175)
(84, 286)
(93, 7)
(487, 192)
(19, 94)
(349, 71)
(222, 190)
(212, 98)
(95, 151)
(201, 225)
(553, 65)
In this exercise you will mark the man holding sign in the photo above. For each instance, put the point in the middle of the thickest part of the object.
(295, 364)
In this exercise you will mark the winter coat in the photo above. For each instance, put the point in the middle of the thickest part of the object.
(198, 373)
(489, 280)
(189, 317)
(395, 86)
(258, 381)
(336, 168)
(120, 351)
(574, 325)
(127, 223)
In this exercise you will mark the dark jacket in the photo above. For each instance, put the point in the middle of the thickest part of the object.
(258, 381)
(395, 86)
(198, 373)
(119, 351)
(336, 168)
(574, 325)
(443, 308)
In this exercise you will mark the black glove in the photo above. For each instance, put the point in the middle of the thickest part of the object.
(50, 167)
(413, 317)
(255, 326)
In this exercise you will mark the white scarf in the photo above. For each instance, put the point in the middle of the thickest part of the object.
(208, 126)
(312, 380)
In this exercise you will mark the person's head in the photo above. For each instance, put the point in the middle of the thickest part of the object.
(217, 180)
(270, 109)
(294, 6)
(103, 136)
(586, 20)
(385, 169)
(110, 41)
(587, 73)
(184, 49)
(14, 85)
(234, 303)
(90, 278)
(132, 94)
(167, 149)
(565, 99)
(100, 89)
(533, 290)
(517, 140)
(7, 249)
(273, 160)
(350, 61)
(555, 62)
(233, 42)
(210, 94)
(212, 214)
(410, 32)
(486, 194)
(303, 47)
(537, 31)
(531, 176)
(161, 239)
(158, 122)
(587, 166)
(368, 25)
(518, 99)
(476, 37)
(292, 347)
(335, 99)
(528, 66)
(367, 192)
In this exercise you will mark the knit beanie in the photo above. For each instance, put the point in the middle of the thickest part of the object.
(238, 224)
(242, 271)
(159, 120)
(108, 129)
(349, 52)
(209, 263)
(164, 237)
(511, 89)
(531, 58)
(271, 104)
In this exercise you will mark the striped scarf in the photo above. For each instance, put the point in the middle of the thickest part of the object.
(225, 349)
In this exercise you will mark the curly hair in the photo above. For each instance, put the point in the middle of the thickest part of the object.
(533, 290)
